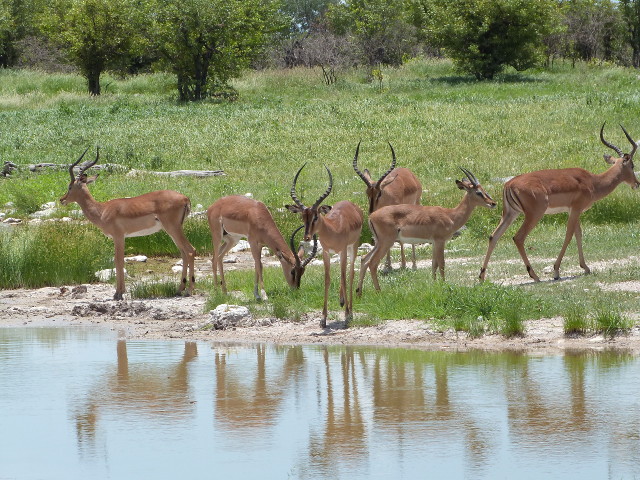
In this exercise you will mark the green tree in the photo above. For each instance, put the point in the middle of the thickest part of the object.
(7, 29)
(16, 21)
(631, 12)
(381, 28)
(208, 42)
(96, 34)
(482, 37)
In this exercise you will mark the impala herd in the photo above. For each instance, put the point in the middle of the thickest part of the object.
(395, 215)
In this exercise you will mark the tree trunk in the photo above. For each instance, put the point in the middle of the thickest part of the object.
(93, 79)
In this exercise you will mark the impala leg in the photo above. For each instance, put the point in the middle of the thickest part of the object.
(403, 260)
(348, 313)
(414, 266)
(578, 235)
(387, 263)
(228, 243)
(118, 242)
(530, 221)
(188, 254)
(572, 223)
(505, 222)
(327, 281)
(437, 261)
(258, 284)
(344, 259)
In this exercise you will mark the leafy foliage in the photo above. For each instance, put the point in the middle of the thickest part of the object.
(484, 36)
(206, 43)
(97, 34)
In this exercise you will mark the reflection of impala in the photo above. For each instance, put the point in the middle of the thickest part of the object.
(339, 230)
(571, 190)
(162, 393)
(234, 217)
(419, 224)
(134, 217)
(396, 186)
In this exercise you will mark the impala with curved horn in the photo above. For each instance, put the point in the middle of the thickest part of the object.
(234, 217)
(396, 186)
(571, 190)
(134, 217)
(338, 228)
(419, 224)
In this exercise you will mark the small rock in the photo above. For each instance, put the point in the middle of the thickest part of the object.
(241, 246)
(136, 258)
(225, 316)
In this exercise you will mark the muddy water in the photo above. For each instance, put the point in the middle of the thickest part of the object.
(81, 404)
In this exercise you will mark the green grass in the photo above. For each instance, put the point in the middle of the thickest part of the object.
(436, 121)
(52, 255)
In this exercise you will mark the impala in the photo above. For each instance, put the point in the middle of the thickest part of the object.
(396, 186)
(339, 230)
(571, 190)
(134, 217)
(419, 224)
(234, 217)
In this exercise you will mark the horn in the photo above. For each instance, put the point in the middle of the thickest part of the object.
(610, 145)
(393, 165)
(472, 178)
(325, 194)
(295, 252)
(73, 177)
(293, 188)
(635, 145)
(313, 251)
(355, 166)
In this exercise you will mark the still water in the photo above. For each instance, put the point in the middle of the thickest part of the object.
(81, 404)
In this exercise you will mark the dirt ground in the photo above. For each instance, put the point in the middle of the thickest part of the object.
(184, 318)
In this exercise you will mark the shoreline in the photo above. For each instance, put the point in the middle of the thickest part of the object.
(183, 318)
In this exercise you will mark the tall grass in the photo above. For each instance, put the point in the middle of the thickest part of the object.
(51, 254)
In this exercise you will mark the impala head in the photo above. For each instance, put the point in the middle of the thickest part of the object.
(374, 190)
(625, 160)
(294, 275)
(78, 183)
(475, 191)
(310, 215)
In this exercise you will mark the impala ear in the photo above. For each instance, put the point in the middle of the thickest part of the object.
(461, 185)
(87, 180)
(324, 209)
(609, 159)
(293, 208)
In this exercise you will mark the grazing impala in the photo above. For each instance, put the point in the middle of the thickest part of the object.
(571, 190)
(234, 217)
(134, 217)
(396, 186)
(419, 224)
(339, 230)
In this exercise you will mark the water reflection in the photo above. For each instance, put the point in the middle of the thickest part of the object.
(148, 390)
(315, 412)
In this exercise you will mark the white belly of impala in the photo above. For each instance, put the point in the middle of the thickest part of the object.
(145, 231)
(413, 240)
(551, 211)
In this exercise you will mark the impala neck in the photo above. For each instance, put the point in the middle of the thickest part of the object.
(463, 211)
(606, 182)
(91, 208)
(276, 243)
